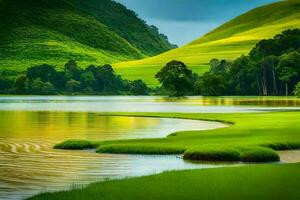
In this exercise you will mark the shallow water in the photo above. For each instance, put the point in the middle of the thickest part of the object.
(29, 165)
(292, 156)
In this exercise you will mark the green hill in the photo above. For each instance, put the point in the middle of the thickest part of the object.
(229, 41)
(91, 31)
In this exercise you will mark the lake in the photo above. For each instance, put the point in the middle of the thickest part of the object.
(31, 125)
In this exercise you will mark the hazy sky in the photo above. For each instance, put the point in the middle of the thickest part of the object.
(185, 20)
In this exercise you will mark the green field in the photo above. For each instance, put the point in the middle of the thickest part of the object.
(251, 137)
(259, 182)
(230, 40)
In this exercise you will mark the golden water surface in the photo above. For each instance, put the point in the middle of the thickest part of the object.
(29, 164)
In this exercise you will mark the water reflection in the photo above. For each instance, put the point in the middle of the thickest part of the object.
(29, 165)
(235, 101)
(148, 104)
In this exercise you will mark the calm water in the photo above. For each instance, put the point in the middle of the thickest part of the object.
(148, 104)
(30, 126)
(29, 165)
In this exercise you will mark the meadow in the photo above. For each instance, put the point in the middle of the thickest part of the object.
(229, 41)
(251, 137)
(260, 182)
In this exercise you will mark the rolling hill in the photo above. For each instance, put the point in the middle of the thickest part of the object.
(91, 32)
(228, 41)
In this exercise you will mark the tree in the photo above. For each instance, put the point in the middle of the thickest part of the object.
(217, 66)
(72, 70)
(73, 86)
(106, 76)
(45, 72)
(138, 87)
(289, 69)
(241, 77)
(88, 80)
(297, 90)
(5, 84)
(41, 88)
(21, 84)
(211, 84)
(269, 75)
(176, 78)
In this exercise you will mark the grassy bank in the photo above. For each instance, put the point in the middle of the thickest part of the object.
(259, 182)
(252, 137)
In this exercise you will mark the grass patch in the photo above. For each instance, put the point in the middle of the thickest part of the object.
(282, 146)
(212, 154)
(252, 137)
(259, 154)
(139, 149)
(259, 182)
(245, 154)
(76, 145)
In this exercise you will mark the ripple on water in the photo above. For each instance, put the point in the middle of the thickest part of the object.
(29, 165)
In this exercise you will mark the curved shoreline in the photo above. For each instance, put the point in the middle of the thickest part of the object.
(262, 151)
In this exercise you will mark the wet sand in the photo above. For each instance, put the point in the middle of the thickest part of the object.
(290, 156)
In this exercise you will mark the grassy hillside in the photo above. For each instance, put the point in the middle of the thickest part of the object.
(53, 31)
(124, 22)
(259, 182)
(229, 41)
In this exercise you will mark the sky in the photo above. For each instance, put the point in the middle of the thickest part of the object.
(185, 20)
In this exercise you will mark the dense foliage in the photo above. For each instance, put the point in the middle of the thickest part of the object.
(297, 90)
(45, 80)
(176, 78)
(271, 68)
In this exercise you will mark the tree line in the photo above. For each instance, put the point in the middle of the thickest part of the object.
(46, 80)
(271, 68)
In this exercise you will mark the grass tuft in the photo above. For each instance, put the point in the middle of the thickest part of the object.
(76, 145)
(258, 155)
(244, 154)
(227, 154)
(282, 146)
(139, 149)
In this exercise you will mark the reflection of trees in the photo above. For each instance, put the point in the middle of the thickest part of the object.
(64, 125)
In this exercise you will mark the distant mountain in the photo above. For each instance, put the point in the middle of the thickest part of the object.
(229, 41)
(90, 31)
